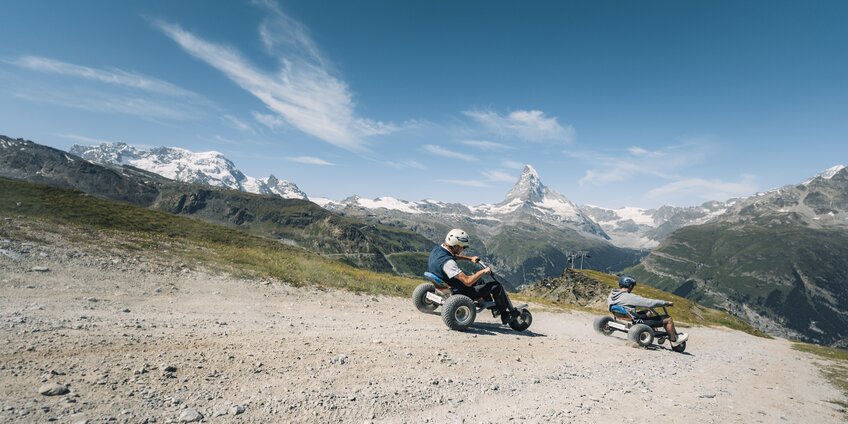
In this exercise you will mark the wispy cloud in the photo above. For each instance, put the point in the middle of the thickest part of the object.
(511, 164)
(303, 90)
(406, 164)
(640, 152)
(706, 189)
(524, 125)
(271, 121)
(116, 77)
(109, 102)
(441, 151)
(84, 139)
(499, 176)
(467, 183)
(238, 124)
(634, 161)
(107, 91)
(309, 160)
(485, 145)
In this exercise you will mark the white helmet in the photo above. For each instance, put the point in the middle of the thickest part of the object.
(457, 237)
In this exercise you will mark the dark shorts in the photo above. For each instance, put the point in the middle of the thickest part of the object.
(654, 321)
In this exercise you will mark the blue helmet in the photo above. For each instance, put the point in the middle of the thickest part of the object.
(626, 281)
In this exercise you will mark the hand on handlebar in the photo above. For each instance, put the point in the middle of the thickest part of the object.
(669, 303)
(474, 259)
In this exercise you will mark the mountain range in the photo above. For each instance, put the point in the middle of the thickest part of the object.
(292, 221)
(527, 236)
(210, 168)
(777, 259)
(626, 227)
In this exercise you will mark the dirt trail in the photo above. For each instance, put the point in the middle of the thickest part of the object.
(140, 346)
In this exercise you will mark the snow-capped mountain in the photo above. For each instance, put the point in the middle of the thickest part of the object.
(777, 259)
(528, 197)
(527, 236)
(639, 228)
(827, 174)
(211, 168)
(818, 202)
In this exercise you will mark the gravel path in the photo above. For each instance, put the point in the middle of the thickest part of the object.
(133, 342)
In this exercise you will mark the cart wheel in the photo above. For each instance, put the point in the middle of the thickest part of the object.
(602, 325)
(458, 312)
(419, 298)
(641, 334)
(679, 348)
(523, 321)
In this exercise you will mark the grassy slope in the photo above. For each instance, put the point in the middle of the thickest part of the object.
(246, 254)
(210, 244)
(760, 265)
(684, 310)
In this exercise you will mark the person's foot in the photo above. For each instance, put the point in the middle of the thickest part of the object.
(506, 317)
(681, 337)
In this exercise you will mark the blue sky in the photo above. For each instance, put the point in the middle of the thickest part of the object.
(615, 103)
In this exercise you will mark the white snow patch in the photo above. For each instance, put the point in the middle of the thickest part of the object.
(389, 203)
(565, 210)
(321, 201)
(637, 215)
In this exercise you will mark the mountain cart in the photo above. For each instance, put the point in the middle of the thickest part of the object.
(458, 310)
(643, 335)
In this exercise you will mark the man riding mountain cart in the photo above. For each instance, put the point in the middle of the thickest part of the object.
(461, 295)
(636, 316)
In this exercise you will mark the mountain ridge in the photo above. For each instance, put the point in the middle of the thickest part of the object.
(210, 168)
(778, 259)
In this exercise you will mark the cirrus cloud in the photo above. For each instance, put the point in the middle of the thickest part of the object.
(441, 151)
(303, 90)
(309, 160)
(524, 125)
(705, 189)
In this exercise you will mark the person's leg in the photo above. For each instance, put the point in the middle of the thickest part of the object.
(668, 323)
(502, 302)
(495, 291)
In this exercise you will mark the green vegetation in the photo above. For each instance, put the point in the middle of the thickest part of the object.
(412, 264)
(836, 371)
(773, 265)
(192, 240)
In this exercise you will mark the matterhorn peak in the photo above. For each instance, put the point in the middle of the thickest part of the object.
(529, 187)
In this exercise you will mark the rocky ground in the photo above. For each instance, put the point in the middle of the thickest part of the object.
(127, 336)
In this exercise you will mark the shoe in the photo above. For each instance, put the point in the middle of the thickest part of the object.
(506, 317)
(681, 337)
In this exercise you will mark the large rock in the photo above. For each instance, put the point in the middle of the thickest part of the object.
(571, 287)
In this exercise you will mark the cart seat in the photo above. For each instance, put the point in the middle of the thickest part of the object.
(440, 284)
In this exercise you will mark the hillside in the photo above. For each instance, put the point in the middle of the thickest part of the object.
(189, 239)
(293, 221)
(141, 315)
(589, 289)
(778, 260)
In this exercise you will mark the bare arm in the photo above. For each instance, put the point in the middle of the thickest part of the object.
(474, 259)
(469, 280)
